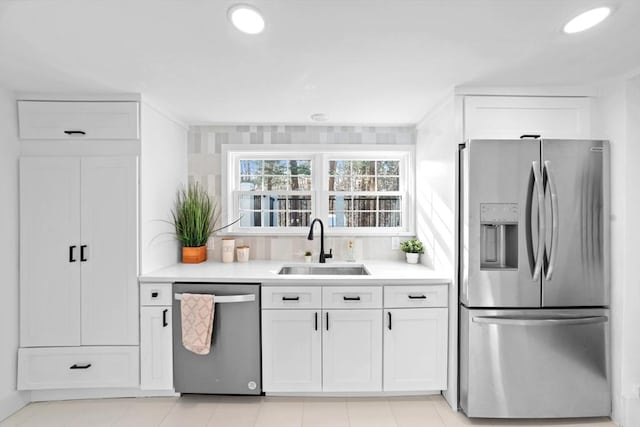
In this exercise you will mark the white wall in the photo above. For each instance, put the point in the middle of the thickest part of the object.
(10, 399)
(436, 151)
(617, 119)
(163, 169)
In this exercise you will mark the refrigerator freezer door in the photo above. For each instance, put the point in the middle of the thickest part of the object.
(534, 363)
(501, 192)
(576, 256)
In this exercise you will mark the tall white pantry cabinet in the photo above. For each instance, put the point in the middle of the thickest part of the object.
(79, 317)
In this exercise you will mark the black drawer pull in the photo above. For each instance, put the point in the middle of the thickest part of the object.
(327, 314)
(417, 297)
(83, 258)
(75, 132)
(154, 294)
(71, 250)
(290, 298)
(389, 315)
(76, 366)
(164, 318)
(529, 136)
(315, 320)
(351, 298)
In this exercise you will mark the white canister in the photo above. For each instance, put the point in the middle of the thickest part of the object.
(228, 246)
(242, 253)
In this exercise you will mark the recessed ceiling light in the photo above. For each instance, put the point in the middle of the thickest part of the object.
(319, 117)
(246, 19)
(586, 20)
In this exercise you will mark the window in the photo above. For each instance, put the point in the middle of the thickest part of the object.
(354, 192)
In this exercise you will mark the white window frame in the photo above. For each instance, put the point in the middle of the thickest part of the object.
(319, 154)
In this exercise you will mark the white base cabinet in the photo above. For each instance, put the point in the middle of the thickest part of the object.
(415, 349)
(291, 351)
(156, 337)
(352, 350)
(331, 339)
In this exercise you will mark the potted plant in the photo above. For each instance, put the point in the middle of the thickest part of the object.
(412, 248)
(194, 217)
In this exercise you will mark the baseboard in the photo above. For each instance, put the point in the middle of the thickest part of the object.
(354, 394)
(12, 402)
(97, 393)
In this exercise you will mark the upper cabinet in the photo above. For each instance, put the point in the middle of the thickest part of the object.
(78, 120)
(509, 117)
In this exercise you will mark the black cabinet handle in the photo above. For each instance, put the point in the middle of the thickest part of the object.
(389, 315)
(327, 316)
(529, 136)
(417, 297)
(82, 256)
(76, 366)
(71, 250)
(164, 318)
(290, 298)
(75, 132)
(315, 320)
(154, 294)
(351, 298)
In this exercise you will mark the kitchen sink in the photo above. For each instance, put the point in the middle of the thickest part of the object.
(330, 270)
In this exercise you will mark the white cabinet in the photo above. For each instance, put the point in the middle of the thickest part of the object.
(490, 117)
(352, 350)
(156, 337)
(156, 348)
(78, 120)
(291, 350)
(78, 251)
(49, 252)
(415, 349)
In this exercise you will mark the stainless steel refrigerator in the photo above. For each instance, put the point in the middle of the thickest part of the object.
(534, 278)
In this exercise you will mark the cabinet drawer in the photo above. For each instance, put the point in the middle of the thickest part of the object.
(352, 297)
(155, 294)
(78, 120)
(77, 367)
(291, 297)
(415, 296)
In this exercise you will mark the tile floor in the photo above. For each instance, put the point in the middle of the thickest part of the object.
(227, 411)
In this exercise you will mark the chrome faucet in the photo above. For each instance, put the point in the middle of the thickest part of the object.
(323, 256)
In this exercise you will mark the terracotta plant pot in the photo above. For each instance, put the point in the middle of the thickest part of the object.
(194, 255)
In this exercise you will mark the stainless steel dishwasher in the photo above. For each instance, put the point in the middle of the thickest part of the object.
(233, 364)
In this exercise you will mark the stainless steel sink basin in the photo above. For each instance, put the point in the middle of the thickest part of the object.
(331, 270)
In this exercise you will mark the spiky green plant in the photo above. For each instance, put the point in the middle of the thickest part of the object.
(195, 215)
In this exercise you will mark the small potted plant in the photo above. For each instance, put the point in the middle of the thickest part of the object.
(307, 256)
(412, 248)
(194, 217)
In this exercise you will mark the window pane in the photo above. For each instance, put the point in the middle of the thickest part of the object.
(390, 203)
(339, 167)
(250, 218)
(300, 167)
(300, 203)
(276, 167)
(388, 167)
(250, 167)
(276, 183)
(389, 219)
(275, 218)
(389, 184)
(364, 183)
(300, 183)
(363, 167)
(250, 183)
(364, 219)
(250, 202)
(299, 219)
(364, 203)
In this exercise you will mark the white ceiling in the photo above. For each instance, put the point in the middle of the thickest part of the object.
(359, 61)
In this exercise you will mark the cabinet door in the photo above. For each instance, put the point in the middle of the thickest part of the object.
(415, 349)
(491, 117)
(156, 351)
(49, 252)
(352, 350)
(109, 249)
(291, 350)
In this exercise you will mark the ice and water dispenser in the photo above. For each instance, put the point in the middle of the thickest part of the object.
(499, 236)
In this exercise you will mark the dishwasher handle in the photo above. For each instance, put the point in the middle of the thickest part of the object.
(224, 299)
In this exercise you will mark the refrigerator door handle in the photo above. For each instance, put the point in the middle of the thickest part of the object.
(537, 179)
(528, 321)
(554, 219)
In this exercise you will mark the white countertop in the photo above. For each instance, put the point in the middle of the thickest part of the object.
(265, 272)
